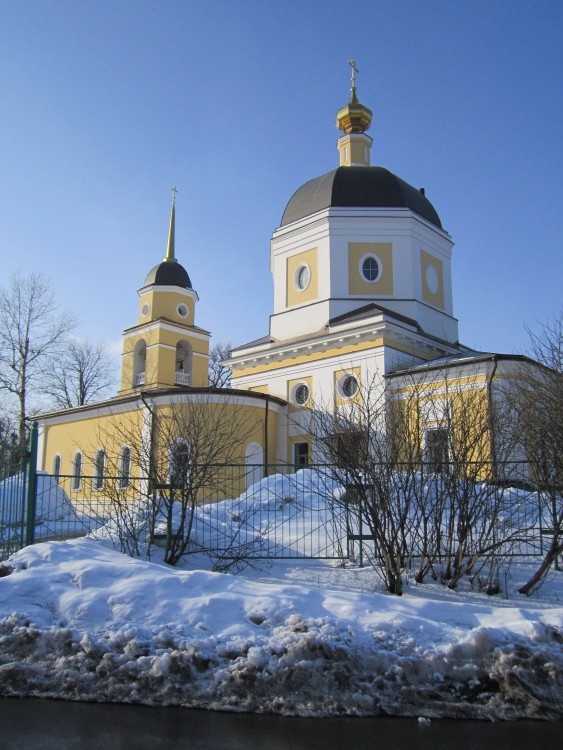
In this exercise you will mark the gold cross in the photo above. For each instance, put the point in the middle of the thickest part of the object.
(352, 64)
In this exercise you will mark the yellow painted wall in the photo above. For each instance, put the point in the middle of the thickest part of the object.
(339, 398)
(292, 406)
(356, 282)
(160, 363)
(259, 388)
(165, 305)
(433, 298)
(423, 407)
(88, 432)
(294, 296)
(87, 435)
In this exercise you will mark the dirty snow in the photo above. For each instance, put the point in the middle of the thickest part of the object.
(81, 621)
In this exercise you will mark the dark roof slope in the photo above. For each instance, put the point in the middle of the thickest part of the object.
(358, 187)
(168, 273)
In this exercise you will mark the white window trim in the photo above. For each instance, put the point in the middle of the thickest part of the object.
(294, 393)
(298, 270)
(340, 385)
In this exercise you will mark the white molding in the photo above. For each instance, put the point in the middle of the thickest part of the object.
(127, 334)
(169, 288)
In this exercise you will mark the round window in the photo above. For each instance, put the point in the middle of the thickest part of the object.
(432, 281)
(301, 394)
(302, 277)
(349, 385)
(182, 311)
(370, 268)
(146, 309)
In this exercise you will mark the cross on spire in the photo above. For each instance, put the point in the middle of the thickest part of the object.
(355, 69)
(174, 191)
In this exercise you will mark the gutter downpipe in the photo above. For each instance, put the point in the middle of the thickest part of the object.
(490, 417)
(266, 416)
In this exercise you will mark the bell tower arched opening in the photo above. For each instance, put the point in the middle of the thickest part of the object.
(184, 356)
(139, 362)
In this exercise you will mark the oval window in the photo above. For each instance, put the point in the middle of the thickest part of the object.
(301, 394)
(182, 311)
(370, 268)
(432, 281)
(302, 277)
(349, 385)
(146, 309)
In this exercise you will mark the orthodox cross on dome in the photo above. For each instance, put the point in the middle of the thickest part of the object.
(355, 69)
(354, 117)
(174, 191)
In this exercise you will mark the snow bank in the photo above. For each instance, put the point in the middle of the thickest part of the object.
(80, 621)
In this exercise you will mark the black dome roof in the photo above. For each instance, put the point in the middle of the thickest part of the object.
(359, 187)
(168, 273)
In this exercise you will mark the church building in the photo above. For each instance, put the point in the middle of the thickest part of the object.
(361, 268)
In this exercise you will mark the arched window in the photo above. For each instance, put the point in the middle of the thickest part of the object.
(139, 362)
(57, 467)
(124, 466)
(76, 471)
(99, 469)
(253, 459)
(180, 463)
(183, 374)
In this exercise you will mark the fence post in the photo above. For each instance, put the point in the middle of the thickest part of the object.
(361, 530)
(31, 487)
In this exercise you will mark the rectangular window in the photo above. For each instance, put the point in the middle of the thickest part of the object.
(437, 451)
(300, 455)
(348, 449)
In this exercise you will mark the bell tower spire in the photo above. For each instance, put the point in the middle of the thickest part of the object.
(170, 256)
(354, 119)
(166, 349)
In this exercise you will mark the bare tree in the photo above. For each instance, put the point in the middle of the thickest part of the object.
(220, 374)
(83, 373)
(416, 460)
(187, 453)
(537, 400)
(31, 330)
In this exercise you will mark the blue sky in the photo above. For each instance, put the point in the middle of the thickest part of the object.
(108, 104)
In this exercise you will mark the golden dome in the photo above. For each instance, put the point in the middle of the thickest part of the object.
(355, 117)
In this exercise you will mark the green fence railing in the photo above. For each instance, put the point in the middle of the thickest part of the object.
(18, 489)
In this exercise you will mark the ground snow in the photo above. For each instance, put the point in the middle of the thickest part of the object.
(81, 621)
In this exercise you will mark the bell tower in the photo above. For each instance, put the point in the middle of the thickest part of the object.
(165, 349)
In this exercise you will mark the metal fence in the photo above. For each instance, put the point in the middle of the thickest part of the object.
(241, 511)
(17, 491)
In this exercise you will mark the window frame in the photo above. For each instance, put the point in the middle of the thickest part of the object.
(124, 477)
(437, 456)
(296, 278)
(76, 471)
(56, 467)
(342, 380)
(378, 263)
(295, 390)
(99, 470)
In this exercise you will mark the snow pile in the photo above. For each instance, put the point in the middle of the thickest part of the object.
(290, 515)
(80, 621)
